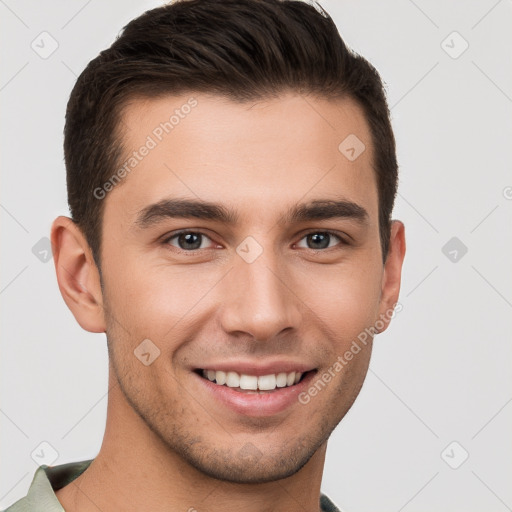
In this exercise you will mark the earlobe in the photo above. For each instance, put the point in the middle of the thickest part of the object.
(391, 277)
(77, 274)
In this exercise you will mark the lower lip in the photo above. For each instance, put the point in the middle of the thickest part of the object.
(257, 404)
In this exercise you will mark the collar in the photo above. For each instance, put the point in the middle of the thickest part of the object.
(48, 479)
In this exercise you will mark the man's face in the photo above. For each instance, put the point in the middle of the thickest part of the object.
(262, 292)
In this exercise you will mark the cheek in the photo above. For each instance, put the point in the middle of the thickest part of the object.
(346, 299)
(151, 299)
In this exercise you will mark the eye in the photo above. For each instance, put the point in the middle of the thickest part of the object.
(187, 240)
(321, 240)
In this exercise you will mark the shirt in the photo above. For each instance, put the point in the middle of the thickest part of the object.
(47, 479)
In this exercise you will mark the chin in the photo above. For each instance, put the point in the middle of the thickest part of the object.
(250, 470)
(250, 464)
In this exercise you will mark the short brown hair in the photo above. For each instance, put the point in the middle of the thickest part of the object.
(241, 49)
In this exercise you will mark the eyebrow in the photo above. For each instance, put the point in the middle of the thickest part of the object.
(204, 210)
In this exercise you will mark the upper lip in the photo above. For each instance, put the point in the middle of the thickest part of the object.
(257, 368)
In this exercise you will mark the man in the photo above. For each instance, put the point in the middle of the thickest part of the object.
(231, 176)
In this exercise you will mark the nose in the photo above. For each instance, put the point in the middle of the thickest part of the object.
(259, 299)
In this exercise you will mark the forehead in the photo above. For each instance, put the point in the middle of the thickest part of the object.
(261, 156)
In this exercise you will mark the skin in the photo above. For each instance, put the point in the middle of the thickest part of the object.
(167, 445)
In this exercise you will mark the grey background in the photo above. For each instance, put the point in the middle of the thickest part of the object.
(441, 373)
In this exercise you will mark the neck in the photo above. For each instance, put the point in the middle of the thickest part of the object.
(135, 470)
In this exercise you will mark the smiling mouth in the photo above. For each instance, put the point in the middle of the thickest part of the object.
(252, 383)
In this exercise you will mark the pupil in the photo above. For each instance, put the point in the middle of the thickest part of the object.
(321, 239)
(190, 241)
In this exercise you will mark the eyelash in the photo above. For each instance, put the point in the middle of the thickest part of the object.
(166, 241)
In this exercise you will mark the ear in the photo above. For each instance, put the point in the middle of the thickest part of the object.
(77, 274)
(391, 277)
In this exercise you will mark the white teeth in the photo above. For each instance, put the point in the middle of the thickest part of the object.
(281, 380)
(233, 380)
(267, 382)
(248, 382)
(251, 382)
(220, 377)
